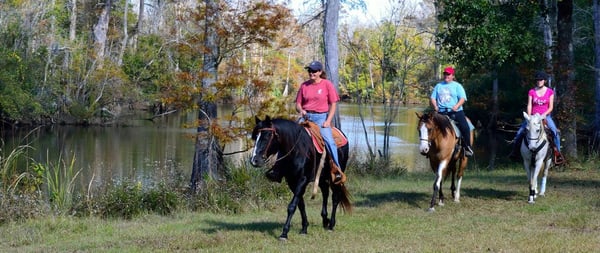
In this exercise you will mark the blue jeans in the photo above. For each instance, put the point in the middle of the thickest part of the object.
(463, 125)
(552, 127)
(319, 118)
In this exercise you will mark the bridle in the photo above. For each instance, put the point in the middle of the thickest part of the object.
(428, 130)
(540, 137)
(274, 133)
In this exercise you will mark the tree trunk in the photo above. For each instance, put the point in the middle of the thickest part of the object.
(100, 31)
(566, 90)
(596, 125)
(493, 124)
(207, 156)
(330, 38)
(549, 18)
(73, 20)
(125, 35)
(138, 24)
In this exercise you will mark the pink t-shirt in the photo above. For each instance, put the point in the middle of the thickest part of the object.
(318, 96)
(540, 104)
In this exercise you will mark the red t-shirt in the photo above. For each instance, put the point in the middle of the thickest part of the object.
(317, 96)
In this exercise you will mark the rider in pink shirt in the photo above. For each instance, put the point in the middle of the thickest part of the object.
(540, 101)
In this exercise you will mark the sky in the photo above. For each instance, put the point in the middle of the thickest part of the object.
(375, 10)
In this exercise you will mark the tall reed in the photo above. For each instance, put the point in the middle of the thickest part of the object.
(10, 176)
(60, 181)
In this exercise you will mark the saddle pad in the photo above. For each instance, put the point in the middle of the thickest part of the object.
(455, 126)
(314, 132)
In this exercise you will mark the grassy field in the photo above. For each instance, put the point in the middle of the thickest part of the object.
(389, 216)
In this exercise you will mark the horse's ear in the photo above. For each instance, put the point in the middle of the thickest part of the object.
(256, 119)
(418, 115)
(268, 119)
(525, 115)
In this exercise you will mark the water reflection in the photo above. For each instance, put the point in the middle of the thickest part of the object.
(148, 150)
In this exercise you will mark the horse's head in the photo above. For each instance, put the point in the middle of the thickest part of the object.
(536, 136)
(265, 137)
(424, 127)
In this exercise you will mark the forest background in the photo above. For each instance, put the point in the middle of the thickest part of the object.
(95, 62)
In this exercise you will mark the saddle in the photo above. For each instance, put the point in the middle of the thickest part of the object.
(457, 132)
(314, 131)
(558, 157)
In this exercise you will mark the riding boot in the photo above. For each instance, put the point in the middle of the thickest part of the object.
(558, 157)
(274, 175)
(337, 176)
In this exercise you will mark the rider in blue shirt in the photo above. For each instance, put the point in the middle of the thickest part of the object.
(448, 98)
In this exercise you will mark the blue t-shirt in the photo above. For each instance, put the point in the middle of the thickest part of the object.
(447, 95)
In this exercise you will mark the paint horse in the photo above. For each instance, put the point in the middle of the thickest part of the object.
(298, 160)
(537, 155)
(440, 143)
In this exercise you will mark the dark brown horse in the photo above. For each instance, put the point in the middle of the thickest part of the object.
(298, 160)
(439, 143)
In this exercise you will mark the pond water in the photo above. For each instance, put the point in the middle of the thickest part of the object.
(146, 149)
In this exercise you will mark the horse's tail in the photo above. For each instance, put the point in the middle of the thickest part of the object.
(345, 201)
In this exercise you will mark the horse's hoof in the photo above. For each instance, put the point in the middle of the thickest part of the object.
(441, 204)
(431, 210)
(542, 195)
(283, 239)
(457, 201)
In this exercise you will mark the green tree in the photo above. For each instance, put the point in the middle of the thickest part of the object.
(227, 33)
(481, 37)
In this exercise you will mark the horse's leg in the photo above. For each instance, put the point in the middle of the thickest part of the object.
(437, 186)
(336, 198)
(298, 189)
(527, 165)
(533, 183)
(545, 177)
(452, 184)
(302, 207)
(441, 197)
(325, 193)
(460, 173)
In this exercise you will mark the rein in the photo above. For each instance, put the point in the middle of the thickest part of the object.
(539, 147)
(274, 131)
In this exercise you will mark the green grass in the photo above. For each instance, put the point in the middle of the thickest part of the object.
(389, 216)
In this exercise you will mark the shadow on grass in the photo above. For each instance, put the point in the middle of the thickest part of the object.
(272, 228)
(570, 182)
(490, 193)
(377, 199)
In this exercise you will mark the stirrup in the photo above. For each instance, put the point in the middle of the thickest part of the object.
(468, 151)
(559, 159)
(339, 178)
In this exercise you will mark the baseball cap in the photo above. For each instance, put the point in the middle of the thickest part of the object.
(315, 66)
(449, 70)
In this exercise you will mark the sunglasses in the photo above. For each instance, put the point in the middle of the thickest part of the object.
(313, 71)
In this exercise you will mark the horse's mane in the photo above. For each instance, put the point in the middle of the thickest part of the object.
(292, 135)
(442, 122)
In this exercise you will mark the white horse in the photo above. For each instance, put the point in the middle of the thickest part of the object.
(537, 155)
